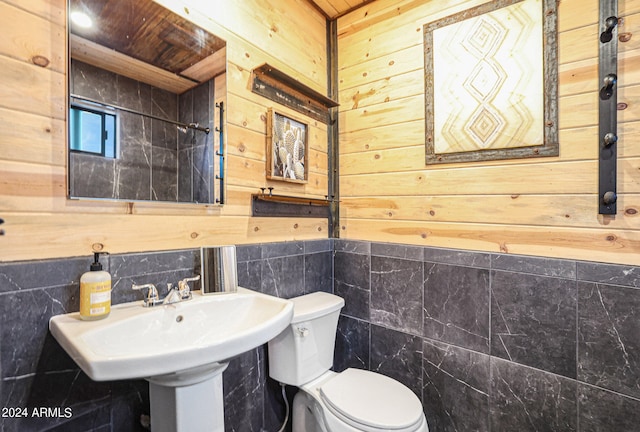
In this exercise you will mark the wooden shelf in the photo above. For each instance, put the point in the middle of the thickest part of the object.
(264, 205)
(279, 87)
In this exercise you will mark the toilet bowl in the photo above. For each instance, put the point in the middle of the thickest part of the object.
(354, 400)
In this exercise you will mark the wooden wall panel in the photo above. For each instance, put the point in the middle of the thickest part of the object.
(71, 232)
(602, 244)
(51, 10)
(40, 222)
(28, 36)
(41, 91)
(536, 210)
(31, 138)
(545, 206)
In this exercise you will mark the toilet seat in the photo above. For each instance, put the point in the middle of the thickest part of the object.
(372, 402)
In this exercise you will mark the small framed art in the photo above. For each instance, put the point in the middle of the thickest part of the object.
(287, 148)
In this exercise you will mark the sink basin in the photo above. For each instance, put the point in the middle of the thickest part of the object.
(138, 342)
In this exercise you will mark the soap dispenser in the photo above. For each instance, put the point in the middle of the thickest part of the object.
(95, 291)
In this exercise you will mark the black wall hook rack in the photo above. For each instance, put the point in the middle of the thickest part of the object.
(608, 106)
(609, 24)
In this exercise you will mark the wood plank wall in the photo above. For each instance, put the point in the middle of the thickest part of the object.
(40, 222)
(542, 207)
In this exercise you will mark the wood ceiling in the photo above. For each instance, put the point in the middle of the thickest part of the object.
(333, 9)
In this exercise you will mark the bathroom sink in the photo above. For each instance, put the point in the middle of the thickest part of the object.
(139, 342)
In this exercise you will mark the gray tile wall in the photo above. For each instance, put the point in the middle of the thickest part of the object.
(36, 372)
(489, 342)
(494, 342)
(195, 149)
(155, 162)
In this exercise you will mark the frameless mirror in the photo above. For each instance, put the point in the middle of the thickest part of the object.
(147, 92)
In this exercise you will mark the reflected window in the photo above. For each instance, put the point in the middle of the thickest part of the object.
(93, 130)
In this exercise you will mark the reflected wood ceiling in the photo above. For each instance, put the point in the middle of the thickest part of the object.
(146, 42)
(333, 9)
(146, 31)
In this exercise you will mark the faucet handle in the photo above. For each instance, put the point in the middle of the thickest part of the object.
(183, 286)
(152, 294)
(191, 279)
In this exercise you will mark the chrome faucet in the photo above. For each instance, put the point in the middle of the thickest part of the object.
(174, 294)
(152, 298)
(180, 293)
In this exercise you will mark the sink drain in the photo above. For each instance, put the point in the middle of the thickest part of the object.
(179, 318)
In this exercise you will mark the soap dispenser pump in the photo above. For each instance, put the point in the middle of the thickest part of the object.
(95, 291)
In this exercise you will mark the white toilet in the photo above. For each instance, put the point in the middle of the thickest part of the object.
(354, 400)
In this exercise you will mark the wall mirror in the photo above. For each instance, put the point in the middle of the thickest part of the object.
(147, 93)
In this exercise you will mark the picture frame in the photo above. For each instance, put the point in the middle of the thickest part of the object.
(489, 96)
(287, 148)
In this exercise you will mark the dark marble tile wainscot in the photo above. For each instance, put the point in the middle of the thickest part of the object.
(501, 342)
(488, 342)
(36, 372)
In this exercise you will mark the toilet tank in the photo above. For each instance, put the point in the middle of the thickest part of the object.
(304, 350)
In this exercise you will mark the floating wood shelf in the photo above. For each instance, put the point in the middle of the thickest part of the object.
(264, 205)
(279, 87)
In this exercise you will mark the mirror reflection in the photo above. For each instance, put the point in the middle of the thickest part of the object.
(218, 269)
(146, 104)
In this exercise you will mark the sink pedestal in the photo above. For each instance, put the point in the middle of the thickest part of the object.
(188, 401)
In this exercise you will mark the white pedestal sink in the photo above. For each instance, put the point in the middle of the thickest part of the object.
(181, 349)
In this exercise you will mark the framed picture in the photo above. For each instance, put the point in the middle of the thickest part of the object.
(287, 148)
(491, 80)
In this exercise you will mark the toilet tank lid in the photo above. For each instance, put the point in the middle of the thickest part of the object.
(310, 306)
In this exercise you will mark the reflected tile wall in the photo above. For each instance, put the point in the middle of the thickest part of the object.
(91, 175)
(501, 336)
(155, 161)
(133, 168)
(195, 167)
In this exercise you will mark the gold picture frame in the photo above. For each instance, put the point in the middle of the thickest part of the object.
(287, 148)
